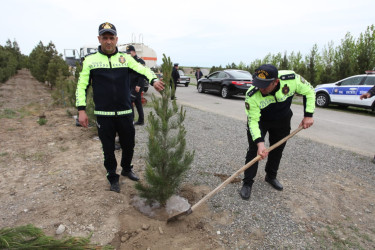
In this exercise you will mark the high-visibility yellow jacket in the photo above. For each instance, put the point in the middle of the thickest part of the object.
(109, 76)
(276, 105)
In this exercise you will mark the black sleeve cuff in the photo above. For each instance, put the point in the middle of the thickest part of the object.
(152, 81)
(307, 114)
(81, 108)
(260, 139)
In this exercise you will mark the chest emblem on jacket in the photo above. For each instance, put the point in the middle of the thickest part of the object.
(285, 89)
(121, 59)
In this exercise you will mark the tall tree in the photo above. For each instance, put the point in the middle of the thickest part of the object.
(366, 50)
(345, 57)
(312, 61)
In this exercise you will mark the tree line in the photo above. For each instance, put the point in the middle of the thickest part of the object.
(47, 66)
(11, 60)
(331, 64)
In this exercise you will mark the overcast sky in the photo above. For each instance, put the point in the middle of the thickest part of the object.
(193, 32)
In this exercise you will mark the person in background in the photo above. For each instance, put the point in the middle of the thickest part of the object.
(175, 77)
(369, 94)
(198, 74)
(108, 72)
(137, 84)
(268, 110)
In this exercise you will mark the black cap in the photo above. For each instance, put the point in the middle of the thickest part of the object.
(264, 75)
(176, 64)
(107, 27)
(129, 48)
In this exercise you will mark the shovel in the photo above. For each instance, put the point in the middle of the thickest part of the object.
(218, 188)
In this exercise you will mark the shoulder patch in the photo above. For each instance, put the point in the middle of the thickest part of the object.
(252, 92)
(89, 54)
(288, 77)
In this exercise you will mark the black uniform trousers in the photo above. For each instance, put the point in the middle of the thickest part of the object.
(138, 105)
(173, 88)
(107, 129)
(277, 130)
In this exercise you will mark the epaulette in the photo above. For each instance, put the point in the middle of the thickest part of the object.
(252, 92)
(89, 54)
(288, 77)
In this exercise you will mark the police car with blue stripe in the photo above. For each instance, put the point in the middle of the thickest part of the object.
(346, 92)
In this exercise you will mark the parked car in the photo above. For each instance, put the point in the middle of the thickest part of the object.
(226, 82)
(346, 92)
(183, 79)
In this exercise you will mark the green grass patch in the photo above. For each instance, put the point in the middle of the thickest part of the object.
(8, 113)
(3, 154)
(42, 121)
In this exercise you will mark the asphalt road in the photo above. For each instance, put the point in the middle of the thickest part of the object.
(344, 130)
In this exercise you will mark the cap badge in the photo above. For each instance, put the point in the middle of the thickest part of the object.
(107, 26)
(262, 76)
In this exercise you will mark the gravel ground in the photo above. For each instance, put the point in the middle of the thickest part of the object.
(220, 145)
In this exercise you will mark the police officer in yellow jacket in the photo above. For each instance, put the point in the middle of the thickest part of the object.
(268, 110)
(108, 72)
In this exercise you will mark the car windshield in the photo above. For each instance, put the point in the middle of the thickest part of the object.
(241, 74)
(181, 72)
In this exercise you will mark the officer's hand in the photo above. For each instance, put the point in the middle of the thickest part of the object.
(307, 122)
(83, 118)
(158, 85)
(364, 96)
(137, 88)
(262, 150)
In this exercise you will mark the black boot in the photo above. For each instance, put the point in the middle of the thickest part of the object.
(115, 187)
(130, 174)
(274, 183)
(245, 191)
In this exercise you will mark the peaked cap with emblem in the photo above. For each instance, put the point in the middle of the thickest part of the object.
(264, 75)
(107, 27)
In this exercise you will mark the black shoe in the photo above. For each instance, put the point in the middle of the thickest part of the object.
(245, 192)
(117, 146)
(274, 183)
(130, 174)
(115, 187)
(139, 123)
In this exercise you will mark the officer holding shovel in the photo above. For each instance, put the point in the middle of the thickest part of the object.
(268, 110)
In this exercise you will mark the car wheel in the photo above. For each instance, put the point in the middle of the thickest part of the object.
(225, 92)
(322, 100)
(200, 88)
(186, 84)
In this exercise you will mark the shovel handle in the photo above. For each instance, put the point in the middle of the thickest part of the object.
(250, 163)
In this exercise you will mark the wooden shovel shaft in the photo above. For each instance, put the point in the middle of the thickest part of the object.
(257, 158)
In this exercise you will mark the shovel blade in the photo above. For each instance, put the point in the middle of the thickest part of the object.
(178, 215)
